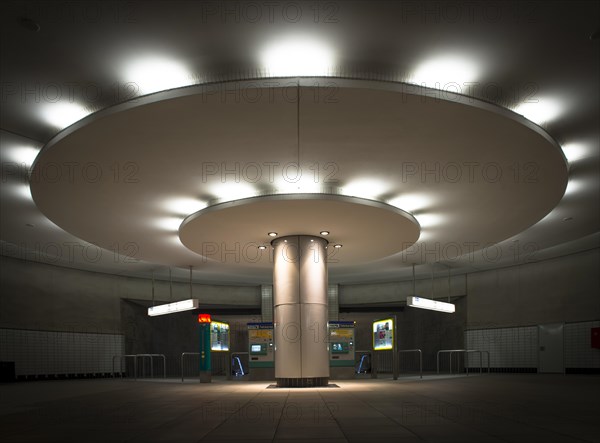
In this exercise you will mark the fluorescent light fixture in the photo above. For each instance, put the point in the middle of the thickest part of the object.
(62, 115)
(432, 305)
(157, 74)
(365, 188)
(540, 111)
(170, 308)
(411, 202)
(297, 56)
(443, 72)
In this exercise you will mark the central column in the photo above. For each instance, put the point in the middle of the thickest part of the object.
(300, 311)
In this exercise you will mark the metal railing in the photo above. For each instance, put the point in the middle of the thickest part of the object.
(183, 354)
(371, 354)
(420, 358)
(464, 352)
(235, 355)
(123, 359)
(152, 357)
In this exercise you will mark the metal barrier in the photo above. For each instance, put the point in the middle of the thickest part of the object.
(151, 357)
(123, 358)
(371, 354)
(235, 355)
(420, 358)
(465, 352)
(184, 354)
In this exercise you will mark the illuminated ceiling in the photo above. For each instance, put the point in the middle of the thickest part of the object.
(379, 118)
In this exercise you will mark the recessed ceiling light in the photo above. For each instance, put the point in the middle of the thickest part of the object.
(170, 224)
(411, 202)
(262, 247)
(157, 74)
(540, 110)
(427, 220)
(183, 206)
(232, 191)
(24, 155)
(575, 151)
(365, 188)
(324, 232)
(297, 56)
(272, 234)
(338, 246)
(445, 73)
(573, 186)
(62, 115)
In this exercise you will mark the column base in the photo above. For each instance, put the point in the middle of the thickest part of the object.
(312, 382)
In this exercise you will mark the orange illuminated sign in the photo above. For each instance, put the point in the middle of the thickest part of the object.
(203, 318)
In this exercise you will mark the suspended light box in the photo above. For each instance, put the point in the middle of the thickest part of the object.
(179, 306)
(433, 305)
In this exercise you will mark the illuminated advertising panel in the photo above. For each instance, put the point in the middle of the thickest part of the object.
(383, 335)
(219, 336)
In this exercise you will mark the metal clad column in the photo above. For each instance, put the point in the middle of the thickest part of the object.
(300, 311)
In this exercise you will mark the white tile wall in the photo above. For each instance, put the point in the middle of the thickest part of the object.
(518, 347)
(266, 297)
(49, 352)
(578, 350)
(508, 347)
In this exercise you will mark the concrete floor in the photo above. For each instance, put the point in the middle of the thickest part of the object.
(487, 408)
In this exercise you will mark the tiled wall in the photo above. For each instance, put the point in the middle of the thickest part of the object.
(517, 348)
(578, 350)
(54, 353)
(508, 347)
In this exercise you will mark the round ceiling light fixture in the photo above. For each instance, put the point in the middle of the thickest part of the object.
(262, 247)
(272, 234)
(324, 232)
(338, 246)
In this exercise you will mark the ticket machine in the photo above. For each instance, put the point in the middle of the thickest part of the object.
(261, 351)
(341, 349)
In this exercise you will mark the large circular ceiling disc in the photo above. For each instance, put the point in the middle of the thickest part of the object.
(231, 233)
(479, 173)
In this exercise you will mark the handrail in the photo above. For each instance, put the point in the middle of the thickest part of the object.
(420, 358)
(151, 357)
(465, 351)
(234, 355)
(187, 353)
(371, 359)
